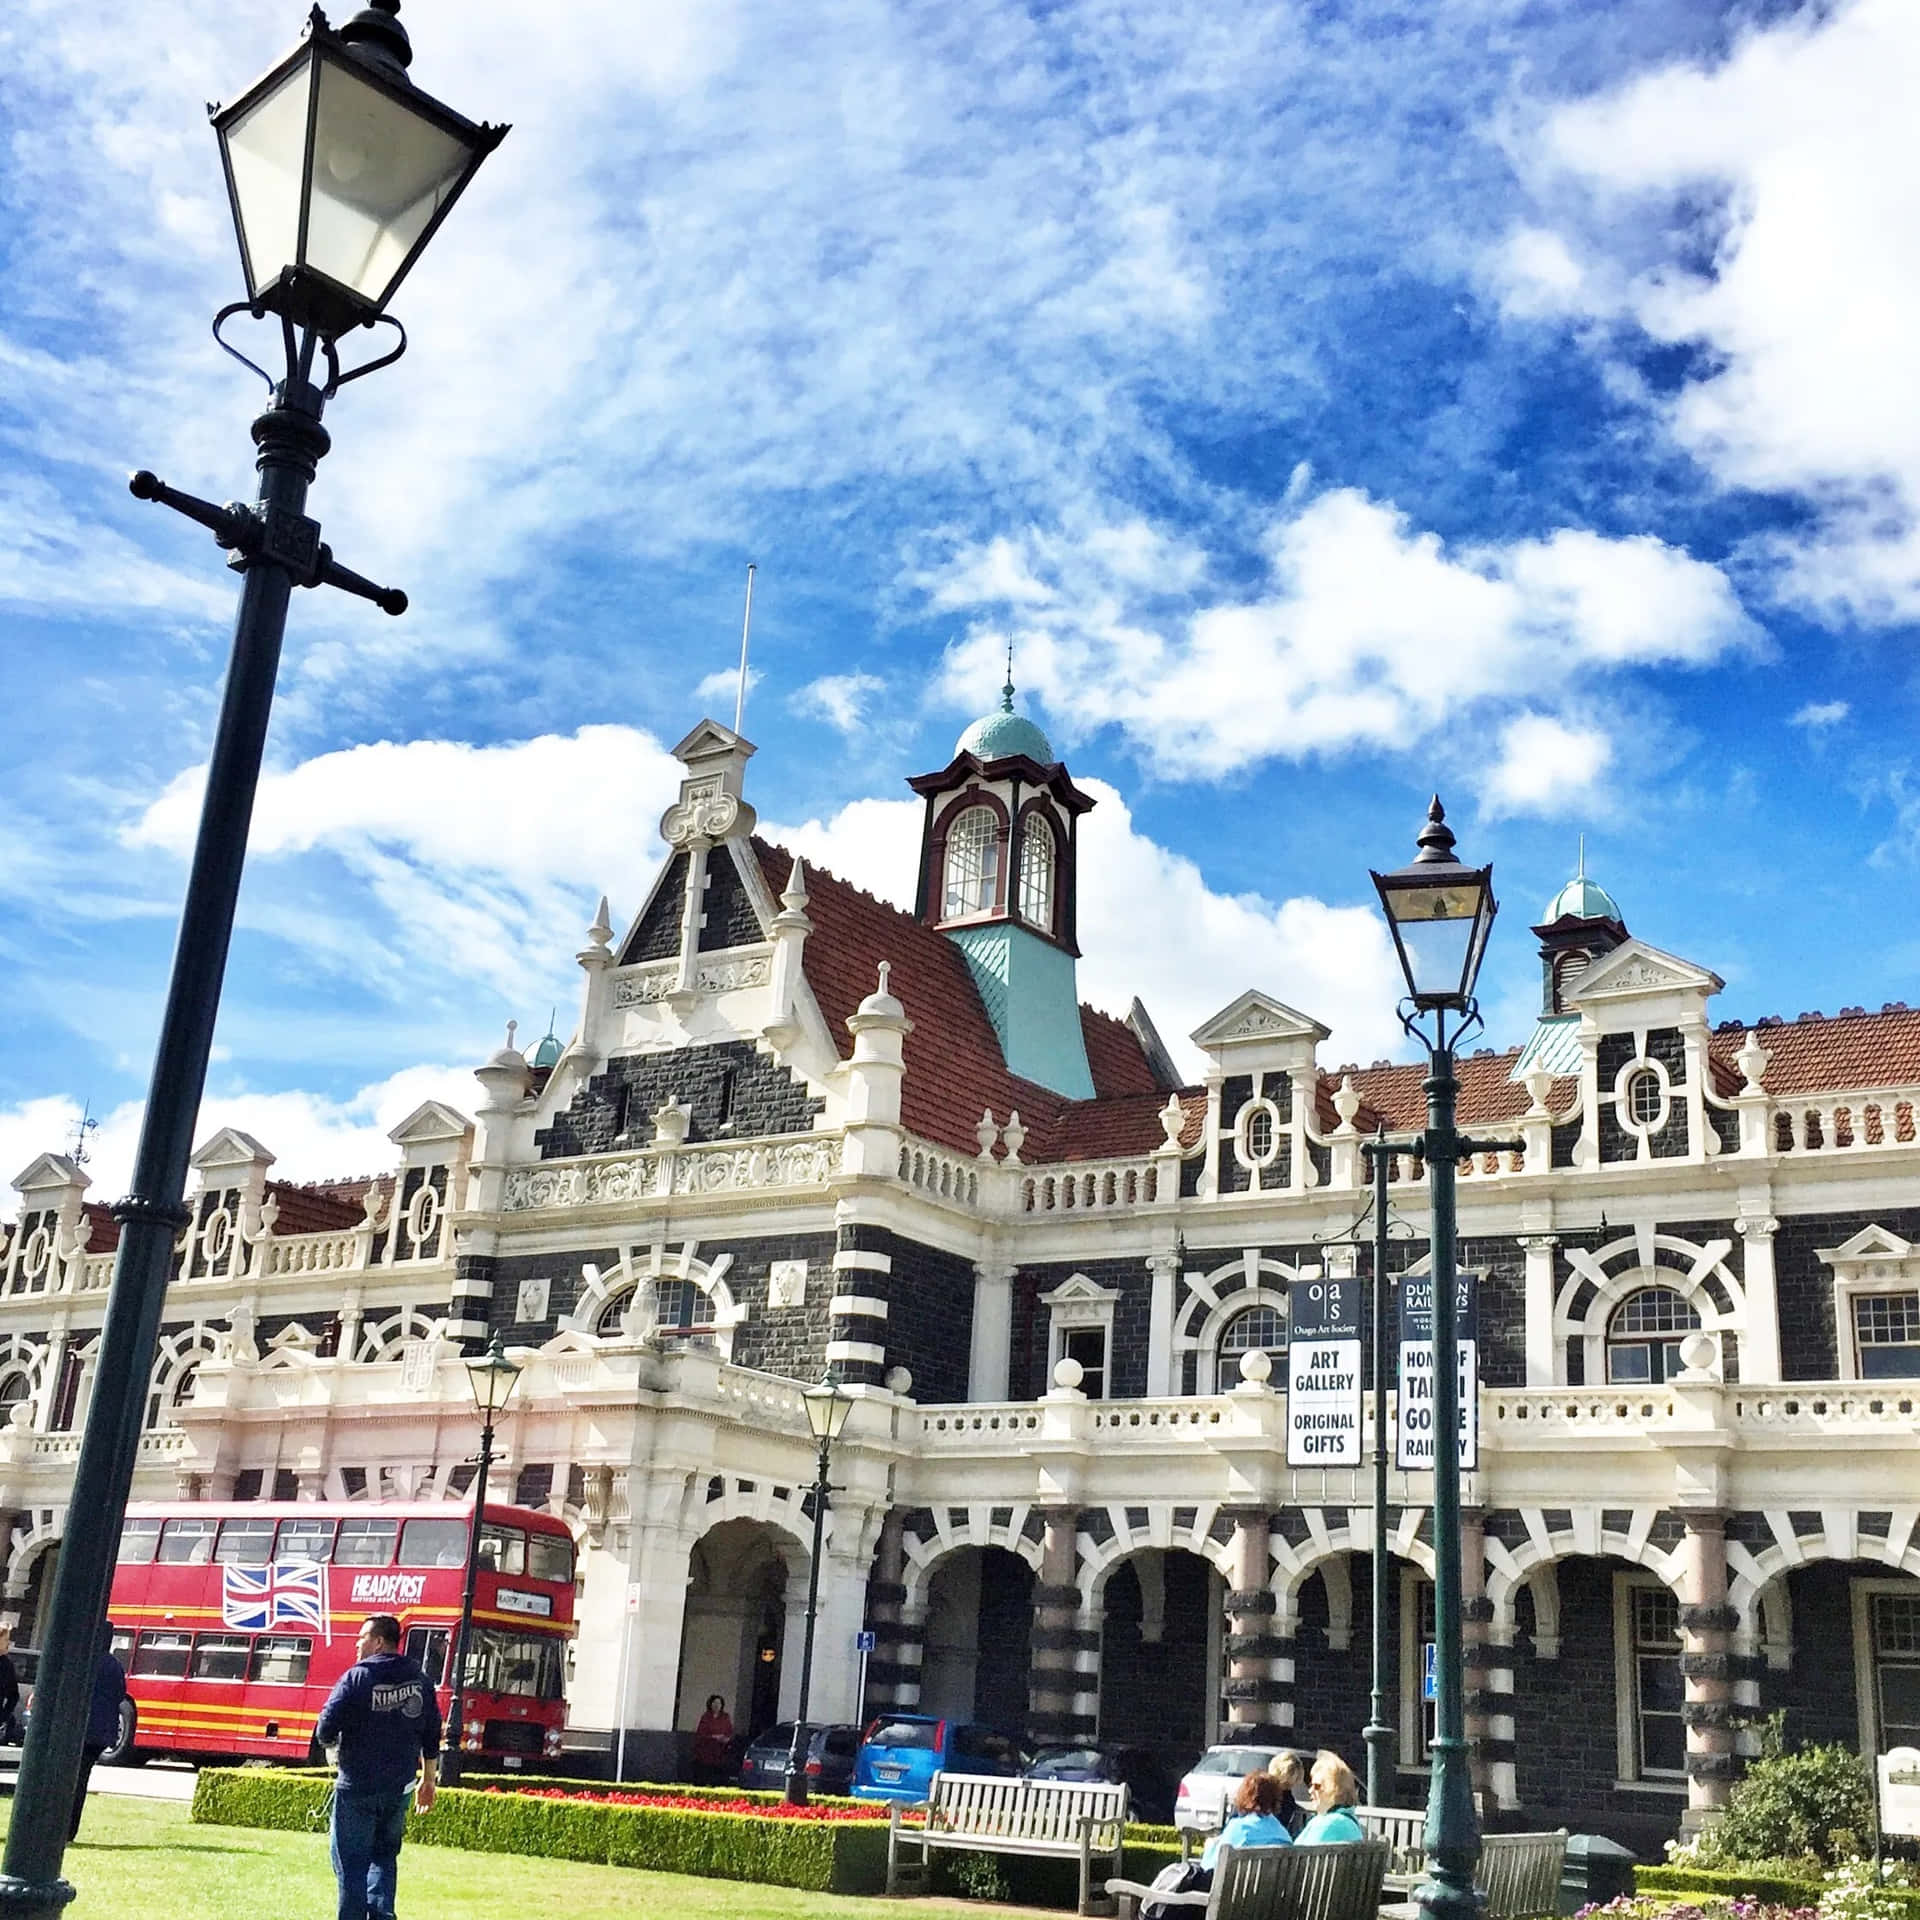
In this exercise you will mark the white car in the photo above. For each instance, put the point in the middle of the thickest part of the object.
(1211, 1782)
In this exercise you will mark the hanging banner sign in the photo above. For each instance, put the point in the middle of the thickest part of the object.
(1413, 1433)
(1323, 1373)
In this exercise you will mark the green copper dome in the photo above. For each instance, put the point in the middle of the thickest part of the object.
(1584, 899)
(996, 735)
(547, 1053)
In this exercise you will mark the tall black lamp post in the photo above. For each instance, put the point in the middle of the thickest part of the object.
(1439, 913)
(827, 1408)
(493, 1377)
(339, 171)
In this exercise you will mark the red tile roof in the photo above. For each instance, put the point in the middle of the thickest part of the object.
(955, 1071)
(1850, 1052)
(321, 1206)
(1395, 1096)
(103, 1230)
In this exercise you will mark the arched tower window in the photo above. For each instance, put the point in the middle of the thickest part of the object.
(972, 879)
(1644, 1335)
(1039, 867)
(1259, 1327)
(1568, 970)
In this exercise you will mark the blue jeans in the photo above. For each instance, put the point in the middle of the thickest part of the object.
(367, 1831)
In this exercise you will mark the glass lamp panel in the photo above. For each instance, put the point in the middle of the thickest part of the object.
(1436, 953)
(266, 151)
(1457, 899)
(380, 174)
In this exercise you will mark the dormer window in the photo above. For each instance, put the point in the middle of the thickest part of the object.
(1039, 864)
(1568, 970)
(972, 879)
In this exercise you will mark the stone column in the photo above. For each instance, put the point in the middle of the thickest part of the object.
(1541, 1284)
(1056, 1691)
(992, 1330)
(1760, 1338)
(1259, 1683)
(894, 1664)
(1706, 1664)
(653, 1624)
(1165, 1269)
(1476, 1611)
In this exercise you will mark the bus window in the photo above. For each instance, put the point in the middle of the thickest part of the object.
(503, 1549)
(549, 1557)
(139, 1542)
(527, 1664)
(428, 1645)
(245, 1543)
(162, 1655)
(120, 1645)
(187, 1543)
(304, 1539)
(365, 1543)
(220, 1656)
(281, 1659)
(434, 1543)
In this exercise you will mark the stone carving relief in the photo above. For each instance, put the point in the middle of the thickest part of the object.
(646, 986)
(785, 1163)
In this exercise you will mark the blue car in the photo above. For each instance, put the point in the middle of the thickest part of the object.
(903, 1751)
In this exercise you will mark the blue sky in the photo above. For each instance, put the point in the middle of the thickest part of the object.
(1332, 402)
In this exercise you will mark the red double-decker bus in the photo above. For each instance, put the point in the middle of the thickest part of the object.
(234, 1621)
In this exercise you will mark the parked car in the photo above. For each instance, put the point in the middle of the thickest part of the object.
(1213, 1779)
(1149, 1795)
(829, 1758)
(903, 1751)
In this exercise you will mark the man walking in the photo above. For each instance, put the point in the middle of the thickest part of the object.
(103, 1722)
(384, 1716)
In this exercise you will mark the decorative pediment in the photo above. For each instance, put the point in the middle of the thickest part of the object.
(232, 1148)
(50, 1170)
(710, 740)
(1257, 1019)
(1080, 1302)
(432, 1121)
(1870, 1243)
(1635, 970)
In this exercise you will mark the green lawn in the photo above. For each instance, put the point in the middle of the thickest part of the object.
(143, 1859)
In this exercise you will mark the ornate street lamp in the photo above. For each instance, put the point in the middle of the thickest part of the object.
(339, 171)
(492, 1377)
(1440, 913)
(827, 1405)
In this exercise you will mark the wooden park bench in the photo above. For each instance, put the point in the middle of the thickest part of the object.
(1518, 1872)
(1404, 1829)
(974, 1813)
(1339, 1882)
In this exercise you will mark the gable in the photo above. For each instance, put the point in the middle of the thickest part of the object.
(1637, 969)
(1254, 1018)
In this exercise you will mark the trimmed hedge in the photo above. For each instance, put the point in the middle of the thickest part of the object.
(1734, 1883)
(821, 1856)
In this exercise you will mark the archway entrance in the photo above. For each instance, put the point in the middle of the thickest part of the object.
(732, 1633)
(976, 1654)
(1160, 1656)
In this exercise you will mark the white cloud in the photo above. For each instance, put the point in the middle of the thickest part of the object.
(1545, 766)
(474, 856)
(1818, 715)
(721, 688)
(1368, 633)
(840, 699)
(1151, 925)
(1764, 210)
(310, 1136)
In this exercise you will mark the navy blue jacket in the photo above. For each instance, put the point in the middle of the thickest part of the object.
(386, 1719)
(103, 1710)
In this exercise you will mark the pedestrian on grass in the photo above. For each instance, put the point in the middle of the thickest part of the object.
(103, 1723)
(384, 1716)
(713, 1744)
(1333, 1791)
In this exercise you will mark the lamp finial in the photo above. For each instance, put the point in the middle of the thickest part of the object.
(1435, 839)
(375, 34)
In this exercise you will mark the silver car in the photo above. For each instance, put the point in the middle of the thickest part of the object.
(1210, 1783)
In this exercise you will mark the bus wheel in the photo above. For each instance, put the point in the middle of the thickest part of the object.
(123, 1753)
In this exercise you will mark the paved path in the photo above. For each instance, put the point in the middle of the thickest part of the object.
(161, 1781)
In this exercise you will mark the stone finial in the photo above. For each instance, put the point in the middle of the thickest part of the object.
(1173, 1121)
(986, 1132)
(1539, 1083)
(513, 1027)
(601, 932)
(1346, 1100)
(670, 1124)
(1752, 1060)
(1256, 1369)
(794, 898)
(899, 1380)
(1015, 1135)
(1067, 1375)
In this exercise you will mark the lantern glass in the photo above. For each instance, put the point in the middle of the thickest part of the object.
(266, 147)
(1439, 914)
(493, 1377)
(827, 1409)
(381, 172)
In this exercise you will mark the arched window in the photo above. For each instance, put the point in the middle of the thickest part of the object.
(680, 1309)
(1644, 1335)
(13, 1389)
(1253, 1327)
(1039, 862)
(972, 879)
(1568, 971)
(1645, 1098)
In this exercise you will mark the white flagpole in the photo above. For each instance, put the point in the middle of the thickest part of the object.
(746, 627)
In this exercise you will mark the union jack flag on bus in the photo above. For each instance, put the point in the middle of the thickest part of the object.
(287, 1593)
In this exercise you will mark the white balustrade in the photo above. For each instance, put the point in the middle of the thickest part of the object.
(1102, 1187)
(942, 1175)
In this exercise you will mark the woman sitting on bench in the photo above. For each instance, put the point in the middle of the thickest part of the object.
(1256, 1820)
(1332, 1790)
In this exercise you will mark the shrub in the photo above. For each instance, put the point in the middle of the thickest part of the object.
(1815, 1802)
(262, 1797)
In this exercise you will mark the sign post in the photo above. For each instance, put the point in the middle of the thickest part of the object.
(1414, 1435)
(863, 1644)
(1323, 1373)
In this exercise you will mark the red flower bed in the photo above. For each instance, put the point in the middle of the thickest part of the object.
(695, 1803)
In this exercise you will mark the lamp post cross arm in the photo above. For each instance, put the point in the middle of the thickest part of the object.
(289, 540)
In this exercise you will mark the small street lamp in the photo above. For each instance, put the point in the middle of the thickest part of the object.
(827, 1408)
(339, 171)
(493, 1378)
(1440, 913)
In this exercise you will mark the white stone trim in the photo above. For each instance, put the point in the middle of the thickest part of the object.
(856, 1350)
(843, 1304)
(859, 1259)
(1875, 1260)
